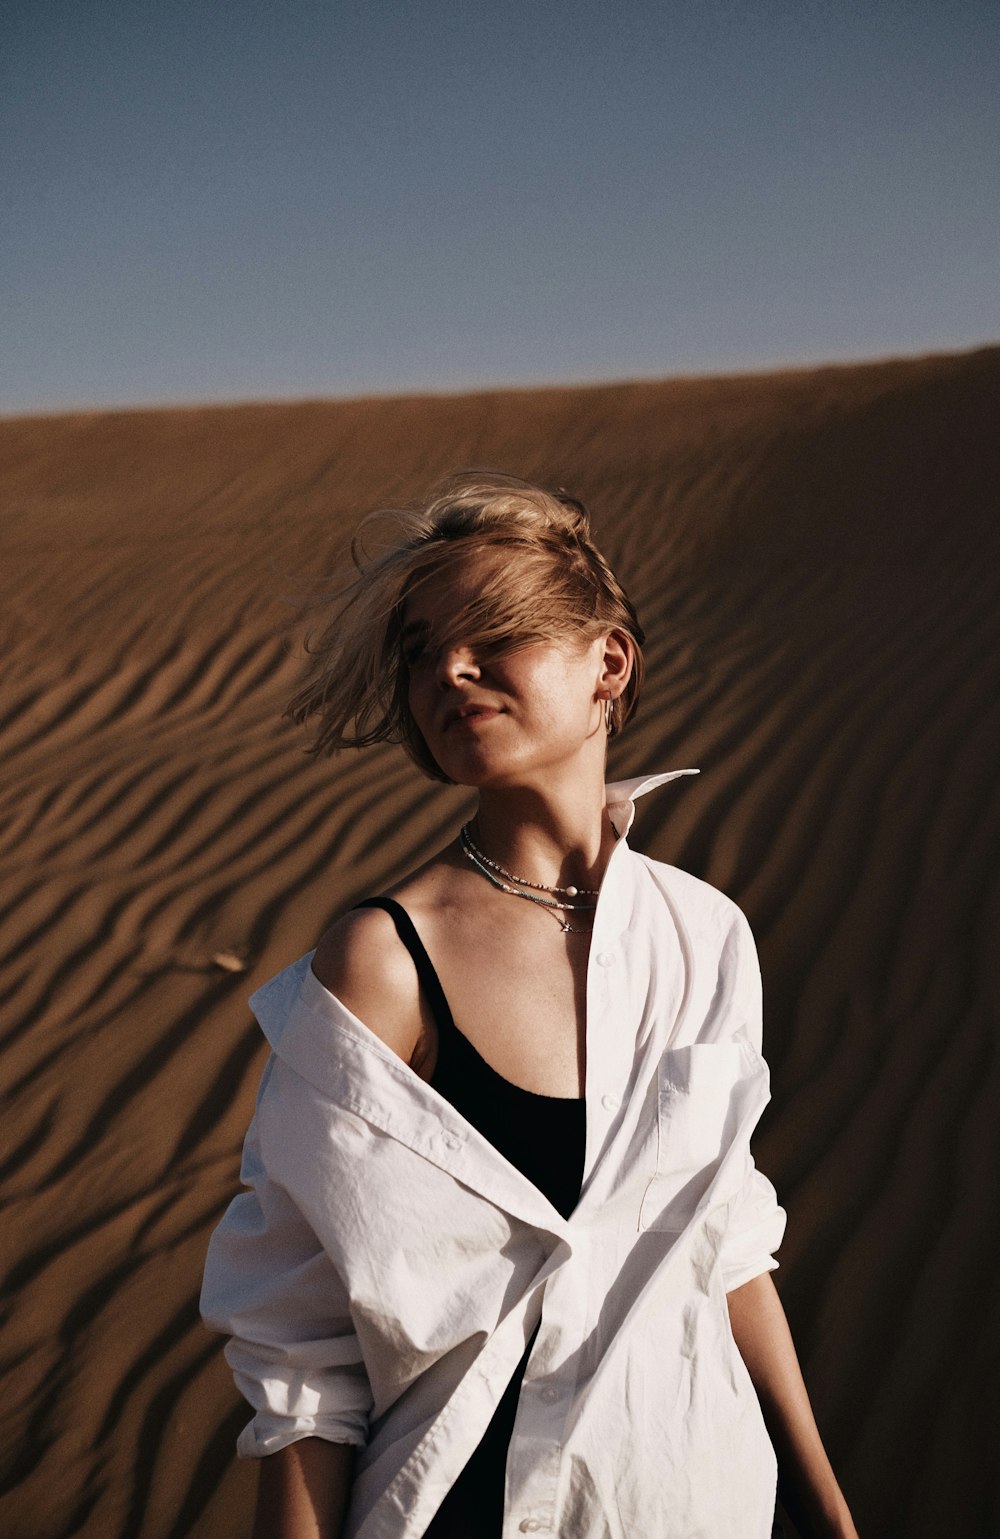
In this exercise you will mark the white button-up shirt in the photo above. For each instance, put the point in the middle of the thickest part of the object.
(383, 1273)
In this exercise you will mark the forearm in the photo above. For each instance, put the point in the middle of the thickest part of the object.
(303, 1491)
(761, 1332)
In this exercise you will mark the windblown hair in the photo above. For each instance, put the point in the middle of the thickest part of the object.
(550, 583)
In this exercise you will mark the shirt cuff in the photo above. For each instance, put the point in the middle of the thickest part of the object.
(267, 1433)
(293, 1402)
(756, 1227)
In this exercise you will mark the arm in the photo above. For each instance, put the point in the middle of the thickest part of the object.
(809, 1487)
(273, 1289)
(303, 1491)
(271, 1282)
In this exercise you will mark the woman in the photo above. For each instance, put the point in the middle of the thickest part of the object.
(503, 1261)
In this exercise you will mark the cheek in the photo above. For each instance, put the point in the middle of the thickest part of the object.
(563, 696)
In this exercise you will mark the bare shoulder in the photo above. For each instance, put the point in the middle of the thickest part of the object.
(362, 960)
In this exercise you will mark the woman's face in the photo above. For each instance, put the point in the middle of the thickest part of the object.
(494, 717)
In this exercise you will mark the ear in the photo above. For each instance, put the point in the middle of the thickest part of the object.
(616, 662)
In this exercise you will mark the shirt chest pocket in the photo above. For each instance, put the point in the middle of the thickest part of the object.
(697, 1114)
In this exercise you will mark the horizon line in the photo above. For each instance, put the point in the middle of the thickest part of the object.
(446, 392)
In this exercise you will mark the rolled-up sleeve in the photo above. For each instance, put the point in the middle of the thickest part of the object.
(756, 1221)
(754, 1231)
(270, 1286)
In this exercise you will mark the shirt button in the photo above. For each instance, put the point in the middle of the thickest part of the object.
(450, 1140)
(610, 1102)
(550, 1395)
(532, 1526)
(604, 959)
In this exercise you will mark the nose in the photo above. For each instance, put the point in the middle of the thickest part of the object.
(454, 663)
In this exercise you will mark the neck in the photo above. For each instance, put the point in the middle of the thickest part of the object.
(559, 840)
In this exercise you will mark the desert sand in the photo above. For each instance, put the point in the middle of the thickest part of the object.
(814, 556)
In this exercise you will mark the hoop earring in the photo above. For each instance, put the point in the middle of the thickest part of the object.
(609, 716)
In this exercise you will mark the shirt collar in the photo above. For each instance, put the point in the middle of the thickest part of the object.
(622, 795)
(614, 906)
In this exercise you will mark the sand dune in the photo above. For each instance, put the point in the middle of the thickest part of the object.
(815, 557)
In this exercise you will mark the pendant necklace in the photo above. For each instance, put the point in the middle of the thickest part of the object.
(494, 873)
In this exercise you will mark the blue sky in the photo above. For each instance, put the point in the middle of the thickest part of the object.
(221, 201)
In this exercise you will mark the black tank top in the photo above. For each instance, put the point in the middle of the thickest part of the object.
(544, 1137)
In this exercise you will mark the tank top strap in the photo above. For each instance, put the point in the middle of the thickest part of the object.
(429, 980)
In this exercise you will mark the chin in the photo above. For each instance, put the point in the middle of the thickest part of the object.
(475, 771)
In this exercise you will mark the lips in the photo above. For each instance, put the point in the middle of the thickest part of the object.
(471, 711)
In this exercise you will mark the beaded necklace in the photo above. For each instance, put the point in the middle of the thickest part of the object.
(494, 874)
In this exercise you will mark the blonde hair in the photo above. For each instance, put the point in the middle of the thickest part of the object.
(551, 580)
